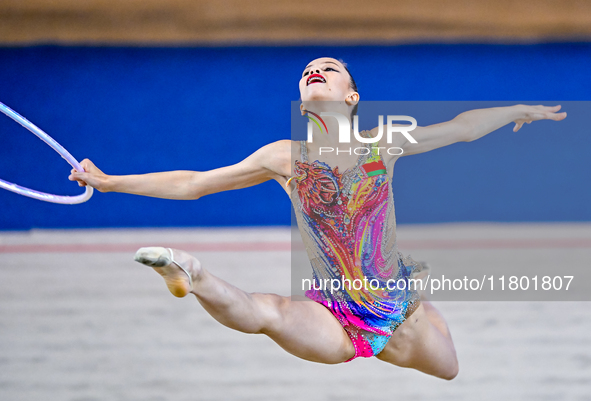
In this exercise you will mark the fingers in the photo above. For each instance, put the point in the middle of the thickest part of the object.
(83, 177)
(91, 176)
(87, 165)
(552, 116)
(79, 177)
(553, 113)
(517, 126)
(541, 112)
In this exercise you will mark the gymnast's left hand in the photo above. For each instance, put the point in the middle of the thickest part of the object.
(535, 113)
(91, 176)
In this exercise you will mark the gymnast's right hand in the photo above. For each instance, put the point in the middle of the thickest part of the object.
(92, 176)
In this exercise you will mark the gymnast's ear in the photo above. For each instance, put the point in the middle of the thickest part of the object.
(302, 109)
(352, 99)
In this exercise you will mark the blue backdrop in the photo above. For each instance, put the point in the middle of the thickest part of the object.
(137, 110)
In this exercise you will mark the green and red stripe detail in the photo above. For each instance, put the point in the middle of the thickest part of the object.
(374, 168)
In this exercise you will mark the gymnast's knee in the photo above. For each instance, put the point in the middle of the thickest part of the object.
(272, 310)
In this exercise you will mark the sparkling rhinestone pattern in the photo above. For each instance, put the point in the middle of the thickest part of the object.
(348, 225)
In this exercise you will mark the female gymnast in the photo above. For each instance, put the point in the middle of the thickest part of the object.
(345, 212)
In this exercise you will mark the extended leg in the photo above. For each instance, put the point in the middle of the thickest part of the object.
(303, 328)
(423, 342)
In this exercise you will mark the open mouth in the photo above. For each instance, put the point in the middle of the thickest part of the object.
(315, 79)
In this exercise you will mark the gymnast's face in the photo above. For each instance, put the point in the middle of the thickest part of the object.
(326, 79)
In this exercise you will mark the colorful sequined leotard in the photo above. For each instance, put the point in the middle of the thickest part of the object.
(348, 226)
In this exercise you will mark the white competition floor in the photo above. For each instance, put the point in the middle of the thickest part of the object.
(80, 320)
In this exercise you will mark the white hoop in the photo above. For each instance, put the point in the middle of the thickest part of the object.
(68, 200)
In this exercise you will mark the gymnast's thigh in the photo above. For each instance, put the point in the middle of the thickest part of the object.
(309, 330)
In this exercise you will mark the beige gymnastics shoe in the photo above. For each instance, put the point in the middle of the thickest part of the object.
(178, 268)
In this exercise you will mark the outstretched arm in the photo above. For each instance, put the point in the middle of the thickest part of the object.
(474, 124)
(263, 165)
